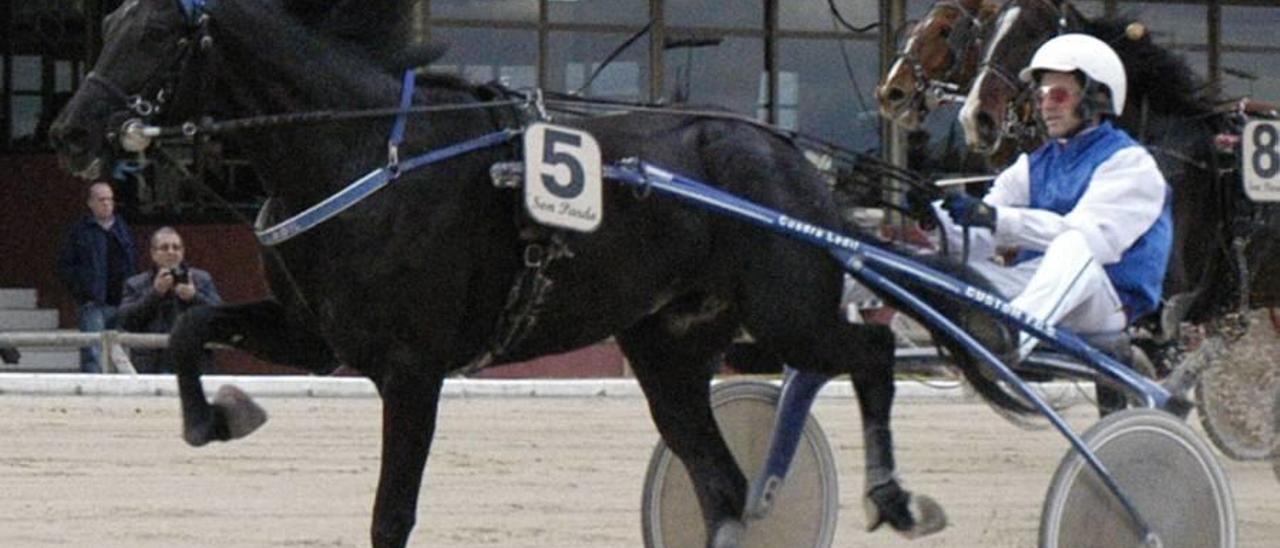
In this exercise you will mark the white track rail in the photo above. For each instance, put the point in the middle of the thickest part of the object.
(76, 384)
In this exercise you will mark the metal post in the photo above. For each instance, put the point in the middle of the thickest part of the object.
(657, 41)
(6, 54)
(893, 15)
(543, 46)
(106, 342)
(771, 61)
(1213, 20)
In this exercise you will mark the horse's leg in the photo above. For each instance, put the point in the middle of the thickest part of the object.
(261, 328)
(409, 404)
(885, 500)
(671, 353)
(867, 353)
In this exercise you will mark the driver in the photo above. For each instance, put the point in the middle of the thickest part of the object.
(1088, 213)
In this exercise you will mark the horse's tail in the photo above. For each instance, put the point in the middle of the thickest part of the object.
(994, 392)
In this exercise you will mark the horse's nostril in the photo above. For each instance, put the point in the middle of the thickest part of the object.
(69, 139)
(986, 124)
(895, 95)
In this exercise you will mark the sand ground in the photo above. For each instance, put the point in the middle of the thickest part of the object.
(510, 472)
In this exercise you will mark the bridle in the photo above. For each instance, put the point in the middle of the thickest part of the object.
(1015, 128)
(140, 108)
(965, 32)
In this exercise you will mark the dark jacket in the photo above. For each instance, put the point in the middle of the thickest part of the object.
(82, 261)
(142, 311)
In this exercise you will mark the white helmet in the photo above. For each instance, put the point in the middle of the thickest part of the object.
(1093, 57)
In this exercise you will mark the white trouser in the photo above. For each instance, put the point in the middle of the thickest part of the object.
(1066, 286)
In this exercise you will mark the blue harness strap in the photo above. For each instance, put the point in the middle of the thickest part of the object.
(193, 9)
(377, 179)
(372, 182)
(397, 127)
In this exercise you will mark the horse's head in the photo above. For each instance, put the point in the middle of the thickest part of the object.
(999, 109)
(146, 47)
(936, 61)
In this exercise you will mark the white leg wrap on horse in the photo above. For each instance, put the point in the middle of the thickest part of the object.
(1070, 288)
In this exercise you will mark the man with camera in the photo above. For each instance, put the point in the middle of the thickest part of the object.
(154, 299)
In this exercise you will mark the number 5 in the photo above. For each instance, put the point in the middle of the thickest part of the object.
(552, 156)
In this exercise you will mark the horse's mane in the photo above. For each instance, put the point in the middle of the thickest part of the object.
(1156, 75)
(321, 51)
(376, 25)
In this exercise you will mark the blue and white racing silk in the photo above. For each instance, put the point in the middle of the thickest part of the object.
(1106, 186)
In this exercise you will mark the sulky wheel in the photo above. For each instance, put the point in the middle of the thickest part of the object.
(1170, 475)
(1275, 442)
(1233, 396)
(804, 513)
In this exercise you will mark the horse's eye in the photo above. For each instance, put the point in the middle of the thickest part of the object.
(944, 32)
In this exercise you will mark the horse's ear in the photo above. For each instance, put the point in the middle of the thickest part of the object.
(374, 24)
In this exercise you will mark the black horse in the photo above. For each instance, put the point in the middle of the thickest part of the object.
(1175, 117)
(412, 283)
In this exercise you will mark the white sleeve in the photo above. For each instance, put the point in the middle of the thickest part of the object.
(1011, 188)
(1125, 196)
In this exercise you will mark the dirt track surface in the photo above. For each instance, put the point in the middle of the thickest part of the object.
(507, 472)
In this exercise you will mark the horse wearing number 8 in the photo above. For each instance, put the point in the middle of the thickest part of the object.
(440, 269)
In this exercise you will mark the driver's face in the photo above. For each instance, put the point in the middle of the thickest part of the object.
(1057, 96)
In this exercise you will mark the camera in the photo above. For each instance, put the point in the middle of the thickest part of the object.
(180, 274)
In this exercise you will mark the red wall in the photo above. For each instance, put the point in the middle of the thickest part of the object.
(38, 200)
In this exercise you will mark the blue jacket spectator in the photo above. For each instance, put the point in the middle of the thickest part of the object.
(96, 258)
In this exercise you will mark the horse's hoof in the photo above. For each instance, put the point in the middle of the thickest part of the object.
(729, 534)
(912, 516)
(241, 413)
(930, 518)
(196, 437)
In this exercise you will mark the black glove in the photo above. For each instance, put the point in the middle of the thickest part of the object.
(965, 210)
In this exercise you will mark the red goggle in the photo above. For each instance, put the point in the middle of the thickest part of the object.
(1054, 95)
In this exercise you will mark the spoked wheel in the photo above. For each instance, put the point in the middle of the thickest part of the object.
(804, 513)
(1171, 476)
(1233, 396)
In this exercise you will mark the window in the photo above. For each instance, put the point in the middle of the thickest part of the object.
(822, 95)
(816, 16)
(486, 10)
(598, 12)
(738, 14)
(1249, 50)
(41, 62)
(486, 55)
(573, 57)
(724, 71)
